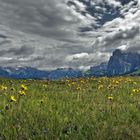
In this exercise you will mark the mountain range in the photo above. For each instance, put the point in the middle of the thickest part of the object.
(120, 63)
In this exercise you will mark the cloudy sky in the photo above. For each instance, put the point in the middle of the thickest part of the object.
(48, 34)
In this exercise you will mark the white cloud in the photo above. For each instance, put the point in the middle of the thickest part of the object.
(47, 31)
(114, 3)
(77, 56)
(123, 47)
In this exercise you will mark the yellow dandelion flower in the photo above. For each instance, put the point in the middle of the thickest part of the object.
(3, 88)
(135, 83)
(44, 86)
(110, 98)
(100, 86)
(135, 90)
(23, 87)
(82, 81)
(78, 88)
(21, 92)
(69, 85)
(13, 99)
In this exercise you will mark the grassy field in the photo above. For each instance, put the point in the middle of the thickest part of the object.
(76, 109)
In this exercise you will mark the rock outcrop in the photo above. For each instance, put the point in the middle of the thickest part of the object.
(123, 62)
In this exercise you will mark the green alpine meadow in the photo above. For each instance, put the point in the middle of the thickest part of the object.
(70, 109)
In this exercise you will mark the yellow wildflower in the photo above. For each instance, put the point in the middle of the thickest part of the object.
(110, 98)
(100, 86)
(23, 87)
(21, 92)
(135, 83)
(78, 88)
(13, 99)
(3, 88)
(45, 86)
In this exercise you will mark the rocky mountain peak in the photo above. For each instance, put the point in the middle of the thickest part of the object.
(123, 62)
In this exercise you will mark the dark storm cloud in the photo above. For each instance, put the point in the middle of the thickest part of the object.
(66, 33)
(46, 18)
(5, 42)
(3, 36)
(23, 50)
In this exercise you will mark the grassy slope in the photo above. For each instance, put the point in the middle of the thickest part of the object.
(77, 109)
